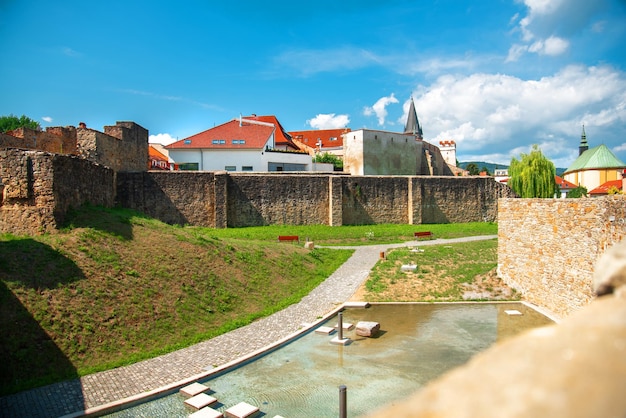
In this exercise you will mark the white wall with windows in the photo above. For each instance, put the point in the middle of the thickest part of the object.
(241, 160)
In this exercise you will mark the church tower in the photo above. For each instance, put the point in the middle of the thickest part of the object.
(412, 126)
(583, 143)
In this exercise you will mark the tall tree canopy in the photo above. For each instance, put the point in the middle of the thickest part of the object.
(532, 175)
(8, 123)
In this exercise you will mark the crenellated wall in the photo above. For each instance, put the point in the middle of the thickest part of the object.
(547, 248)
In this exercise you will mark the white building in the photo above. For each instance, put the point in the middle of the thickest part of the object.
(239, 145)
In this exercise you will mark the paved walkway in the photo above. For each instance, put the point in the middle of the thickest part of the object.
(90, 392)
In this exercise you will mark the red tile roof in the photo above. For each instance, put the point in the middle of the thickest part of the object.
(157, 160)
(254, 135)
(310, 138)
(281, 137)
(564, 184)
(604, 188)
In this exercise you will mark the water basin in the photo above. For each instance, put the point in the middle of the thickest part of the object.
(416, 343)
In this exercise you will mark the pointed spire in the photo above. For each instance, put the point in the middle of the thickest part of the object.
(412, 123)
(583, 143)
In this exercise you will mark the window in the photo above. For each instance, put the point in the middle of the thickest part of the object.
(219, 141)
(187, 142)
(188, 166)
(230, 168)
(246, 168)
(332, 138)
(239, 141)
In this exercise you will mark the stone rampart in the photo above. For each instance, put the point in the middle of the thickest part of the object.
(547, 248)
(37, 189)
(123, 147)
(223, 199)
(55, 139)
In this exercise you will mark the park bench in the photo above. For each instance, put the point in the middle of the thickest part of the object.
(423, 234)
(292, 238)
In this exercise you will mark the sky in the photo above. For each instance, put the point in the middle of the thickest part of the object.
(495, 76)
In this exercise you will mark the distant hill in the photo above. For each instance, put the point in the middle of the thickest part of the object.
(492, 166)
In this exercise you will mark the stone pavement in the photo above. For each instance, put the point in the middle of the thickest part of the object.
(90, 392)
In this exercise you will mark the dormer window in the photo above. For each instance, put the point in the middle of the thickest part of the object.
(187, 142)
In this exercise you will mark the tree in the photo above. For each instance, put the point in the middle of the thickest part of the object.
(532, 175)
(473, 169)
(579, 191)
(8, 123)
(331, 159)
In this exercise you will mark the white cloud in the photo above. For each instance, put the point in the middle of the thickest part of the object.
(329, 121)
(164, 139)
(380, 108)
(493, 114)
(47, 119)
(548, 24)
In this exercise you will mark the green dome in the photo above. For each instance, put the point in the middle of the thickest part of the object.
(596, 158)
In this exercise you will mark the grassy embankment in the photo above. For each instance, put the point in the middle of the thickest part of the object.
(115, 287)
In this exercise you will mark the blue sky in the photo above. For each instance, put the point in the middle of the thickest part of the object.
(496, 76)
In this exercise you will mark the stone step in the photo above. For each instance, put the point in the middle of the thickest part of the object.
(241, 410)
(200, 401)
(193, 389)
(206, 412)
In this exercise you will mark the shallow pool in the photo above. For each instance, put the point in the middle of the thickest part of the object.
(417, 343)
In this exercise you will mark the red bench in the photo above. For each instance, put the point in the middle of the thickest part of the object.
(292, 238)
(423, 234)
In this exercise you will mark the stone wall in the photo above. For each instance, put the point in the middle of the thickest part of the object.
(123, 147)
(37, 189)
(547, 248)
(61, 140)
(223, 199)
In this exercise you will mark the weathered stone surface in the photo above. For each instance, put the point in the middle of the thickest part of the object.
(367, 328)
(547, 248)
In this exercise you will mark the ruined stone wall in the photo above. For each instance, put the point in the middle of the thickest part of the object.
(547, 248)
(37, 189)
(58, 140)
(123, 147)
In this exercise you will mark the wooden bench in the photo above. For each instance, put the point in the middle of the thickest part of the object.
(292, 238)
(423, 234)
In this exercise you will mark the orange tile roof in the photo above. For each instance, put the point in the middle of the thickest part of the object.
(281, 137)
(156, 154)
(564, 184)
(254, 135)
(310, 138)
(604, 188)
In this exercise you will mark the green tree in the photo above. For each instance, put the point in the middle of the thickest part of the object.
(330, 159)
(579, 191)
(532, 175)
(473, 169)
(8, 123)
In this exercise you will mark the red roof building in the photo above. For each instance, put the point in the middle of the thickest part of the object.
(242, 144)
(604, 188)
(321, 140)
(157, 160)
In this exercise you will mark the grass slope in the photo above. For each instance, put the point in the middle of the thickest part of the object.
(115, 287)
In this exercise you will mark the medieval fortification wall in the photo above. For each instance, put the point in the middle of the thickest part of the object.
(223, 199)
(547, 248)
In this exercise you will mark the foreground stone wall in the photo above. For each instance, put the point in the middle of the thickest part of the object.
(547, 248)
(237, 200)
(37, 189)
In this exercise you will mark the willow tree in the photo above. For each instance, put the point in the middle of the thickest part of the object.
(532, 175)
